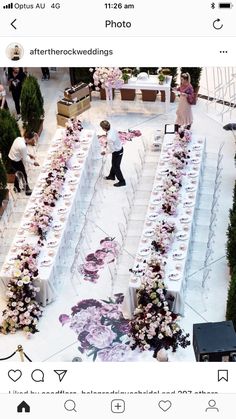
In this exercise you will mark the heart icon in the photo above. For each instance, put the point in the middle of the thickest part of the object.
(165, 405)
(14, 375)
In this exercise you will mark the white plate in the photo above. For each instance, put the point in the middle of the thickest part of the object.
(190, 188)
(80, 154)
(188, 204)
(197, 147)
(62, 210)
(26, 226)
(73, 181)
(76, 167)
(164, 172)
(58, 227)
(193, 174)
(177, 255)
(52, 243)
(165, 158)
(156, 201)
(158, 188)
(85, 140)
(153, 216)
(185, 219)
(144, 251)
(174, 276)
(67, 195)
(149, 232)
(181, 235)
(46, 262)
(195, 161)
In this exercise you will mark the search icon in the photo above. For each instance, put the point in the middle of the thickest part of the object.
(70, 406)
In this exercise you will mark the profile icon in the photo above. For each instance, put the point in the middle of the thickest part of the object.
(212, 406)
(15, 51)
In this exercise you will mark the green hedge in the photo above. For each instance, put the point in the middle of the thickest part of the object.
(9, 130)
(231, 256)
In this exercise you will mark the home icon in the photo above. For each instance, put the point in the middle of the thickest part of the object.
(23, 407)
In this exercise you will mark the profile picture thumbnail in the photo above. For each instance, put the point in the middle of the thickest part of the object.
(15, 51)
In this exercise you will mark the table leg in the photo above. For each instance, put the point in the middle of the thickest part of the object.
(167, 95)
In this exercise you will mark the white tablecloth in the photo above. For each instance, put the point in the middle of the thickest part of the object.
(151, 83)
(191, 180)
(66, 208)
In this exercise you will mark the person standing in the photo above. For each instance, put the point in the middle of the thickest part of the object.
(19, 157)
(115, 147)
(3, 102)
(45, 73)
(184, 111)
(15, 84)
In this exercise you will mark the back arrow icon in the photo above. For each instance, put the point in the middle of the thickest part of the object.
(216, 24)
(12, 23)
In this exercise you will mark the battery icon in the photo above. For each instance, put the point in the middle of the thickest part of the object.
(225, 5)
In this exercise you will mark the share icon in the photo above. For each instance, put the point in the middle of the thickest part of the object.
(61, 374)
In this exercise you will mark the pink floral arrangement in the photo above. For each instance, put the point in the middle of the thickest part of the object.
(23, 311)
(184, 135)
(108, 78)
(94, 262)
(101, 328)
(164, 236)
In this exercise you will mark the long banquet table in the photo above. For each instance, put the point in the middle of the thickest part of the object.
(177, 257)
(52, 254)
(151, 83)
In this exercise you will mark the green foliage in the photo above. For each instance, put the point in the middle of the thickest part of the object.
(149, 70)
(3, 176)
(174, 73)
(195, 74)
(231, 301)
(81, 74)
(231, 242)
(9, 130)
(31, 104)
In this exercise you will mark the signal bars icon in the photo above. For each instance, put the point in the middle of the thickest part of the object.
(8, 6)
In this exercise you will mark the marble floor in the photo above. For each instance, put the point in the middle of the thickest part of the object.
(57, 343)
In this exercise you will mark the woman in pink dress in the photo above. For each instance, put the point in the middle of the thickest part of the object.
(184, 111)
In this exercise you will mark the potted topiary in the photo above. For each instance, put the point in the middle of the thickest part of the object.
(4, 192)
(9, 130)
(171, 71)
(195, 75)
(127, 94)
(32, 111)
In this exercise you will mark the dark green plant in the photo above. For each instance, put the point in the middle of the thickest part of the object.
(149, 70)
(32, 110)
(9, 130)
(195, 74)
(231, 242)
(3, 182)
(174, 74)
(231, 300)
(81, 74)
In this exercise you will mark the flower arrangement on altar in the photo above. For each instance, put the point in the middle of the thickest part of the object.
(154, 326)
(101, 328)
(107, 78)
(23, 311)
(94, 262)
(164, 236)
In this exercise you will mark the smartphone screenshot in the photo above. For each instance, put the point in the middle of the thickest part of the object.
(117, 209)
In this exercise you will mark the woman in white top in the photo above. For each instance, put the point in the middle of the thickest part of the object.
(114, 146)
(3, 102)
